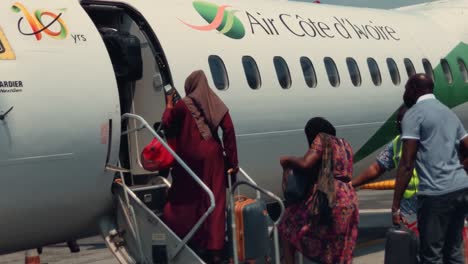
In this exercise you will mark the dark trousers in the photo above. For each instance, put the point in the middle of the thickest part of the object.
(440, 222)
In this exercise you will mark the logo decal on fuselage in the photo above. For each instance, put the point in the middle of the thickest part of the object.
(6, 52)
(37, 25)
(11, 87)
(219, 18)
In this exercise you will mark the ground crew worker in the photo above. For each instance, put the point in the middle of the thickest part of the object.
(387, 160)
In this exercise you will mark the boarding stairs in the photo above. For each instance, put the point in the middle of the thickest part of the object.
(136, 233)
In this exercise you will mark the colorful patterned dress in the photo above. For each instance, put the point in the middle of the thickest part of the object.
(333, 242)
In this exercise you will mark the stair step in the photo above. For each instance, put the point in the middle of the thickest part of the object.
(148, 240)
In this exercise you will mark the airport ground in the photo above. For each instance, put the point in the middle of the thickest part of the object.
(375, 220)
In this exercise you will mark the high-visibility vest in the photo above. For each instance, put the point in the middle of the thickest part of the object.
(412, 188)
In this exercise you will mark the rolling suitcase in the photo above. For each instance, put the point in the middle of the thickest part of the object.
(252, 219)
(401, 246)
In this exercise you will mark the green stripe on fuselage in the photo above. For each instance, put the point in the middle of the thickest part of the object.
(451, 95)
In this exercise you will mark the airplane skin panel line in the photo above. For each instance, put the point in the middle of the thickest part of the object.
(54, 157)
(301, 129)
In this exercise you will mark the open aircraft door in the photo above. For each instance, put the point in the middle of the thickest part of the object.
(141, 87)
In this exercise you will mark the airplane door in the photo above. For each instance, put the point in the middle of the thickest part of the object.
(145, 96)
(148, 99)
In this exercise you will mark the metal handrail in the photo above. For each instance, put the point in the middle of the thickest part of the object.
(251, 180)
(133, 226)
(149, 188)
(132, 196)
(275, 224)
(187, 168)
(165, 183)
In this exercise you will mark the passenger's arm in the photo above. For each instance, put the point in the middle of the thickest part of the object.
(310, 159)
(464, 153)
(463, 148)
(372, 173)
(172, 115)
(170, 100)
(229, 143)
(404, 174)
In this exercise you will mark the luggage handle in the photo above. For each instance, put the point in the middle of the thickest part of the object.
(275, 224)
(239, 198)
(248, 178)
(401, 227)
(266, 192)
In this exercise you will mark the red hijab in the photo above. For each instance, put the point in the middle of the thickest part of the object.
(204, 105)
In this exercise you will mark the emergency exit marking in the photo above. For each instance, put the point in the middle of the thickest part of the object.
(6, 52)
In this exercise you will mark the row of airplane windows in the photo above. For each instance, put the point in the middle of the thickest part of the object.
(252, 73)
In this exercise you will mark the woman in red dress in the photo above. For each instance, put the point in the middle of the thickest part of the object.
(194, 122)
(323, 227)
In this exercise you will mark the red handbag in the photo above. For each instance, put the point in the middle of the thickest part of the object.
(155, 157)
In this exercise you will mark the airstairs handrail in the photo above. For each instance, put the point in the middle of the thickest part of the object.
(132, 196)
(251, 180)
(275, 224)
(187, 168)
(133, 229)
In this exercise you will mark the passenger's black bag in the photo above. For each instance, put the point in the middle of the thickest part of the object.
(296, 186)
(401, 246)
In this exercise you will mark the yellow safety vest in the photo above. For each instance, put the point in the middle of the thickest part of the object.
(412, 188)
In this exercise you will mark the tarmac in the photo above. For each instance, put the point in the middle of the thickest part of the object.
(374, 221)
(94, 251)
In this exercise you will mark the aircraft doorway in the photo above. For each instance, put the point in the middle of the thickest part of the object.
(141, 76)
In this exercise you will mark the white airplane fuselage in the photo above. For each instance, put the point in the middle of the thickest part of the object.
(65, 123)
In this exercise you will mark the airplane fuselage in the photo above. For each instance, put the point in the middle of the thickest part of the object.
(65, 123)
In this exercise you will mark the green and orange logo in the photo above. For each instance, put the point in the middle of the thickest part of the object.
(37, 25)
(219, 18)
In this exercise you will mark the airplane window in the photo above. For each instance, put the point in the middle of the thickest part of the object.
(282, 71)
(394, 72)
(251, 72)
(374, 71)
(428, 68)
(447, 71)
(409, 67)
(463, 70)
(218, 72)
(354, 72)
(332, 71)
(309, 72)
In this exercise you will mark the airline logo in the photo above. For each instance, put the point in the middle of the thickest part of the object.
(6, 52)
(223, 19)
(38, 27)
(220, 18)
